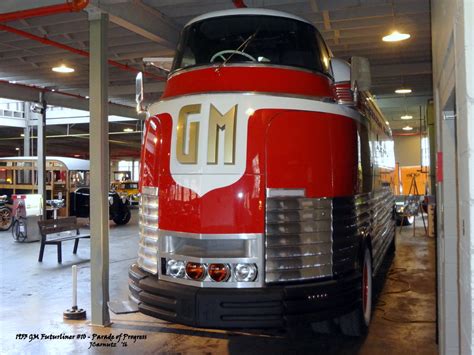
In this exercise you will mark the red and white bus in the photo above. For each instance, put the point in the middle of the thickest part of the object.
(265, 180)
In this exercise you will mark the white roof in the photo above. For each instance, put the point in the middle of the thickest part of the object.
(246, 11)
(69, 163)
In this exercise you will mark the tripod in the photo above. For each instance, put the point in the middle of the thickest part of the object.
(413, 207)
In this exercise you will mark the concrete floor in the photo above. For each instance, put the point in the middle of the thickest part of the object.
(34, 296)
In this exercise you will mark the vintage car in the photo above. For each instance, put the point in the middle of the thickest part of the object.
(80, 206)
(127, 189)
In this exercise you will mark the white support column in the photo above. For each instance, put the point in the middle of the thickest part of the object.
(41, 153)
(99, 168)
(26, 131)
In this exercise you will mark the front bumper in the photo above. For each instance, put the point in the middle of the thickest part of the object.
(270, 307)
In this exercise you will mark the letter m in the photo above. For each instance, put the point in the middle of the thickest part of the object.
(224, 122)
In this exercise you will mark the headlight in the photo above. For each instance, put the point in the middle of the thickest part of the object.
(245, 272)
(175, 268)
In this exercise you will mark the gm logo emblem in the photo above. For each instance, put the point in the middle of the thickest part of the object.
(187, 135)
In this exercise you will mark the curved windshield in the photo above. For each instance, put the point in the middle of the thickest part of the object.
(252, 39)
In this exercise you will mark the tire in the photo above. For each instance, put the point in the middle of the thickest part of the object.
(357, 322)
(6, 218)
(19, 234)
(122, 218)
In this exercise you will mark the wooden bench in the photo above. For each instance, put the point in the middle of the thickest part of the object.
(50, 229)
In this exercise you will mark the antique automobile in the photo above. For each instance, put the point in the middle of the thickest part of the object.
(263, 199)
(80, 206)
(127, 189)
(5, 214)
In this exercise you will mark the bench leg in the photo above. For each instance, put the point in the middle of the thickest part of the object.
(76, 244)
(60, 256)
(40, 258)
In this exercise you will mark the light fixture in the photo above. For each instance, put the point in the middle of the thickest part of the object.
(63, 69)
(245, 272)
(87, 97)
(128, 129)
(22, 135)
(407, 128)
(396, 36)
(403, 91)
(406, 117)
(17, 148)
(387, 122)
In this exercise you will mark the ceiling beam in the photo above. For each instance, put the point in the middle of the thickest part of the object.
(401, 69)
(27, 93)
(143, 20)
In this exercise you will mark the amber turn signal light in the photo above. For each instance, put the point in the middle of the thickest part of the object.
(219, 272)
(195, 271)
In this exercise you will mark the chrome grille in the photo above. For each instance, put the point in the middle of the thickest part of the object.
(148, 230)
(343, 93)
(384, 224)
(298, 238)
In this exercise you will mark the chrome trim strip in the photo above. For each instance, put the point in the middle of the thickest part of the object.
(272, 192)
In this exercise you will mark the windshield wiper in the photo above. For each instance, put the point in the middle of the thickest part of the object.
(241, 48)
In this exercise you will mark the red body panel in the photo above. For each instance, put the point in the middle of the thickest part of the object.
(310, 161)
(249, 79)
(320, 154)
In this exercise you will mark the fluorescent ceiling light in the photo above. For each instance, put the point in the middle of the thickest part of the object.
(63, 69)
(406, 117)
(407, 128)
(387, 122)
(128, 130)
(396, 36)
(403, 91)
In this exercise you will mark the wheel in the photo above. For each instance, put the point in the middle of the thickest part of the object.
(19, 230)
(122, 218)
(231, 52)
(357, 322)
(6, 219)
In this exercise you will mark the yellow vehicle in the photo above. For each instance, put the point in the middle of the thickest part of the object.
(127, 189)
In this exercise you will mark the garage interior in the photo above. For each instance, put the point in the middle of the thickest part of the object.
(425, 305)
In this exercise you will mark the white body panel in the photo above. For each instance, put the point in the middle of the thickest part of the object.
(201, 177)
